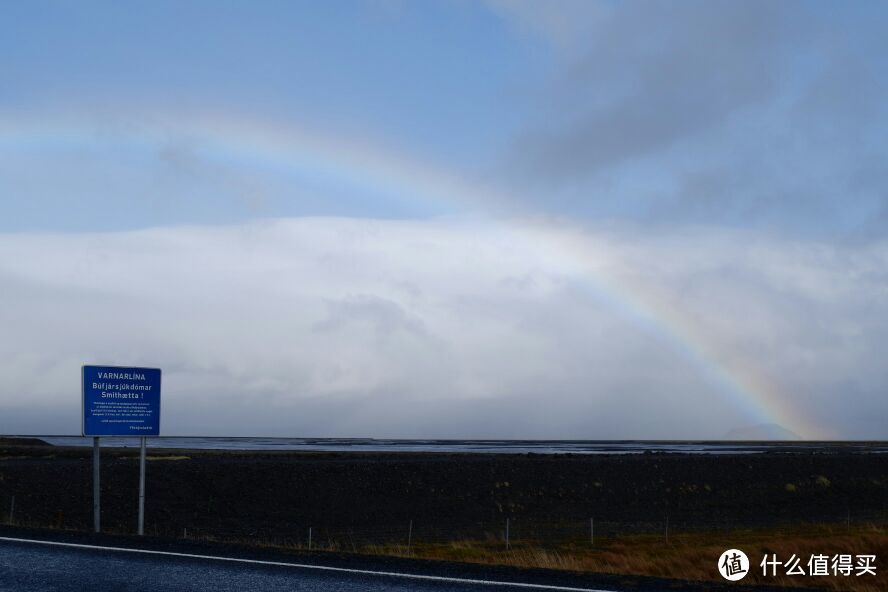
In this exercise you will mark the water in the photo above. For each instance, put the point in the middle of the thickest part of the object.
(475, 446)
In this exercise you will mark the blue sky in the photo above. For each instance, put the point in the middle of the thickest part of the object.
(688, 183)
(752, 114)
(426, 80)
(407, 72)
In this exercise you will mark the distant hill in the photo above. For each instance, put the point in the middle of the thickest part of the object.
(763, 431)
(15, 441)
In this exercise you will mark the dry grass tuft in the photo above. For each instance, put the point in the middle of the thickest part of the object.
(690, 556)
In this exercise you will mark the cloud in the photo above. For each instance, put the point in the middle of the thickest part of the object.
(562, 23)
(653, 74)
(754, 114)
(448, 328)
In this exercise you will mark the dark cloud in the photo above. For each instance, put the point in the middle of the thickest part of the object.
(385, 316)
(760, 114)
(655, 73)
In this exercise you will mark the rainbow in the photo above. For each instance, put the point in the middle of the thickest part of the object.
(293, 150)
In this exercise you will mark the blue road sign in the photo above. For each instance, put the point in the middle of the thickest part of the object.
(121, 401)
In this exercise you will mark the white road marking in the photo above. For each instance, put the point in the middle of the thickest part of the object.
(309, 566)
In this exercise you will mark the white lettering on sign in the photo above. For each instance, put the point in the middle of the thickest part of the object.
(121, 375)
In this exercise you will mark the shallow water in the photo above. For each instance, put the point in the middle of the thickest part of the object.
(474, 446)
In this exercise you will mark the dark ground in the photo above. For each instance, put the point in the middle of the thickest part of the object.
(373, 497)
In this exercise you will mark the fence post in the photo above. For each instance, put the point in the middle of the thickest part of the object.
(508, 544)
(667, 528)
(309, 538)
(409, 536)
(591, 531)
(12, 510)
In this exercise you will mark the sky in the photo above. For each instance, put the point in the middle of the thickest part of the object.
(572, 219)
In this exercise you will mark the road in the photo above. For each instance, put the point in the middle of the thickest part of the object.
(31, 565)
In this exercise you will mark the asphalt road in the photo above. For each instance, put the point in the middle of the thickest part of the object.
(32, 566)
(64, 561)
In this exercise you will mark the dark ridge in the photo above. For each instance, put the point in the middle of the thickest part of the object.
(13, 441)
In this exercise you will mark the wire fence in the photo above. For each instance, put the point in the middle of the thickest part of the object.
(401, 536)
(508, 532)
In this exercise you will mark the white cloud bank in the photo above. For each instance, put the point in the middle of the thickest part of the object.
(447, 328)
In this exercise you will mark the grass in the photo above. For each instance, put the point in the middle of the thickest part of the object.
(691, 556)
(684, 556)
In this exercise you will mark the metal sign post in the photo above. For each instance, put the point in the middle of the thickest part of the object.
(142, 488)
(97, 514)
(120, 401)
